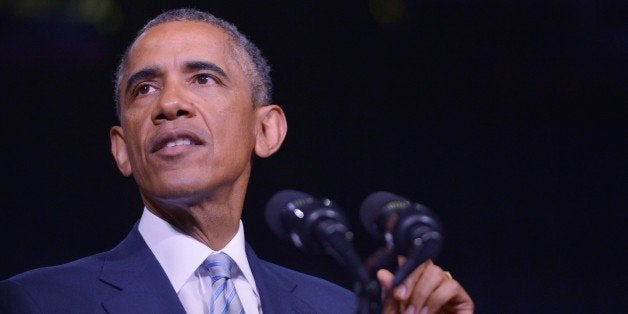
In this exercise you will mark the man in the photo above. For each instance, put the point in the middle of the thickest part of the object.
(193, 100)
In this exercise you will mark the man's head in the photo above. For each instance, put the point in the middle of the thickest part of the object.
(188, 122)
(249, 56)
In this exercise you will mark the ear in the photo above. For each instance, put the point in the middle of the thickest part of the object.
(119, 150)
(271, 129)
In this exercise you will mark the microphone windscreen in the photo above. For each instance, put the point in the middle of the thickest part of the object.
(374, 205)
(277, 205)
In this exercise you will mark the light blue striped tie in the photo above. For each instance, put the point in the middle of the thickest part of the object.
(224, 297)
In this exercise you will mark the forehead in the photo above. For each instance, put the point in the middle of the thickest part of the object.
(172, 43)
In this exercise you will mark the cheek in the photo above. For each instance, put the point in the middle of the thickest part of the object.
(134, 140)
(242, 124)
(228, 115)
(234, 132)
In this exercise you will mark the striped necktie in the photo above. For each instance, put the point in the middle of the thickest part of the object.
(224, 298)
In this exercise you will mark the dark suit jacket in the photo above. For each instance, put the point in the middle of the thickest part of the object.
(129, 279)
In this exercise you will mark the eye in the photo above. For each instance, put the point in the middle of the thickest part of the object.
(205, 79)
(144, 89)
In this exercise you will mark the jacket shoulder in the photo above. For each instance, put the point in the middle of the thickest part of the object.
(48, 288)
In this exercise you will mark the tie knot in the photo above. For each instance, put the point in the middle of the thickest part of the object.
(219, 266)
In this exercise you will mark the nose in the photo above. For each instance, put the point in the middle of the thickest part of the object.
(173, 103)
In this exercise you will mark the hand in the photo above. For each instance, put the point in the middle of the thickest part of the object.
(428, 289)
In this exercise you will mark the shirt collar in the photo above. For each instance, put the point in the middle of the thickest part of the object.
(180, 254)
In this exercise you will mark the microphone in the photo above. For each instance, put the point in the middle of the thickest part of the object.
(319, 225)
(307, 221)
(409, 229)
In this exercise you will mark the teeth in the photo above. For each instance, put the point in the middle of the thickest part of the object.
(179, 142)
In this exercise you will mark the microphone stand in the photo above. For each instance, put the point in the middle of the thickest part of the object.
(369, 298)
(336, 239)
(337, 244)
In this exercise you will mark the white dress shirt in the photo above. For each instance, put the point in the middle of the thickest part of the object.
(180, 255)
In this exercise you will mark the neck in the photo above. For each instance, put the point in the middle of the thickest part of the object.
(213, 222)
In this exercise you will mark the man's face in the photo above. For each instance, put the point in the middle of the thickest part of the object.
(188, 125)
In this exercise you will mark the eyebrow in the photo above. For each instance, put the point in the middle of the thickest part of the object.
(192, 66)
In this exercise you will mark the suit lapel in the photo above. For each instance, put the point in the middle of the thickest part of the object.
(276, 290)
(143, 285)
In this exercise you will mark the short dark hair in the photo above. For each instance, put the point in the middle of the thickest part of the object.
(256, 67)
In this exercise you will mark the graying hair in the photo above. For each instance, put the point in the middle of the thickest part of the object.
(259, 74)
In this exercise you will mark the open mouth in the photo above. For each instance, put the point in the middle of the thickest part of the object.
(179, 142)
(175, 139)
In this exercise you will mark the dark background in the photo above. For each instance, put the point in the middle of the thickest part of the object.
(507, 118)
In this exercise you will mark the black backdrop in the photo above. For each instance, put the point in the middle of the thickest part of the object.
(505, 117)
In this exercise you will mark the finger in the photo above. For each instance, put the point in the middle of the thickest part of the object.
(385, 278)
(430, 279)
(402, 292)
(450, 296)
